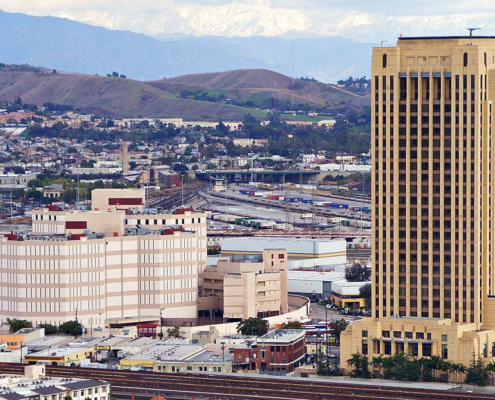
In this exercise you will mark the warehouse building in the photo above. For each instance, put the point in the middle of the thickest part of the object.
(302, 253)
(313, 284)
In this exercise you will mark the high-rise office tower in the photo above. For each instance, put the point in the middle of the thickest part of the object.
(434, 218)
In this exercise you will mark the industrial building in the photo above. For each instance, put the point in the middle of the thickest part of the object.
(432, 202)
(313, 284)
(178, 355)
(347, 295)
(302, 253)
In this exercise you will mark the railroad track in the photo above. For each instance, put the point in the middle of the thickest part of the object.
(294, 207)
(173, 197)
(184, 386)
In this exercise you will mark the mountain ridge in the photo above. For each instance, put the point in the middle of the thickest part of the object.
(73, 46)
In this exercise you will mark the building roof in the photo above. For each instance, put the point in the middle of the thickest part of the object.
(445, 37)
(315, 275)
(85, 384)
(58, 352)
(168, 352)
(282, 335)
(48, 341)
(13, 396)
(45, 391)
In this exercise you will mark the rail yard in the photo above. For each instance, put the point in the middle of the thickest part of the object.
(140, 384)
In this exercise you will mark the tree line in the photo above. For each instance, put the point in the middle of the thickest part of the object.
(403, 367)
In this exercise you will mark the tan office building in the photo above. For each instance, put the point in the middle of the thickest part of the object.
(434, 219)
(247, 289)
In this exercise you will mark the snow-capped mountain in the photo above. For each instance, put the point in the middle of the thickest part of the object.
(259, 18)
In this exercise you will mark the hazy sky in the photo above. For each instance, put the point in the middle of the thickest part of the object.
(382, 7)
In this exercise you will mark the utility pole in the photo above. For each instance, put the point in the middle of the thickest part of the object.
(182, 191)
(76, 323)
(77, 193)
(161, 324)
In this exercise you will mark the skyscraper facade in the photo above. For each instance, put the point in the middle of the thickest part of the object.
(433, 274)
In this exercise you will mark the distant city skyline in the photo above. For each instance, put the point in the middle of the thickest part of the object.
(353, 19)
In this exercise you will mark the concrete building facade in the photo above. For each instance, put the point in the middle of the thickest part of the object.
(247, 289)
(434, 217)
(114, 273)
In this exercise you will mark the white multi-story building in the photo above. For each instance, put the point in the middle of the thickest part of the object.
(35, 385)
(97, 264)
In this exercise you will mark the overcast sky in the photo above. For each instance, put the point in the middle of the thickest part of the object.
(382, 7)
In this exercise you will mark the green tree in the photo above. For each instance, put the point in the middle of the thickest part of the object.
(377, 362)
(49, 329)
(174, 332)
(476, 374)
(253, 326)
(18, 324)
(338, 327)
(67, 397)
(71, 328)
(490, 368)
(292, 325)
(365, 292)
(360, 366)
(357, 273)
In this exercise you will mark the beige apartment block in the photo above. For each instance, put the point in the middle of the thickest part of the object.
(187, 219)
(53, 222)
(247, 289)
(117, 199)
(434, 218)
(50, 273)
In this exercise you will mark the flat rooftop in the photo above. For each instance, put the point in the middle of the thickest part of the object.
(282, 335)
(168, 352)
(58, 352)
(315, 275)
(17, 387)
(445, 37)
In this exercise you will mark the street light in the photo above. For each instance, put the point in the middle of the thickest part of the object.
(327, 307)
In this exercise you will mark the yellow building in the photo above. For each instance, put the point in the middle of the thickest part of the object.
(434, 219)
(346, 294)
(64, 356)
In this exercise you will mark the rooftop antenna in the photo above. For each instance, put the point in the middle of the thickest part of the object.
(471, 30)
(383, 41)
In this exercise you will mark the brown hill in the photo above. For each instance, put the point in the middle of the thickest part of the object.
(109, 96)
(253, 85)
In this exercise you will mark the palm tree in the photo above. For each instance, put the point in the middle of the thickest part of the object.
(359, 364)
(490, 368)
(448, 368)
(377, 362)
(436, 364)
(458, 369)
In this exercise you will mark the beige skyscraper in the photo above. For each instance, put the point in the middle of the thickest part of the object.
(433, 273)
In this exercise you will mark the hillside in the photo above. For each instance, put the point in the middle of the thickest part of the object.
(256, 85)
(109, 96)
